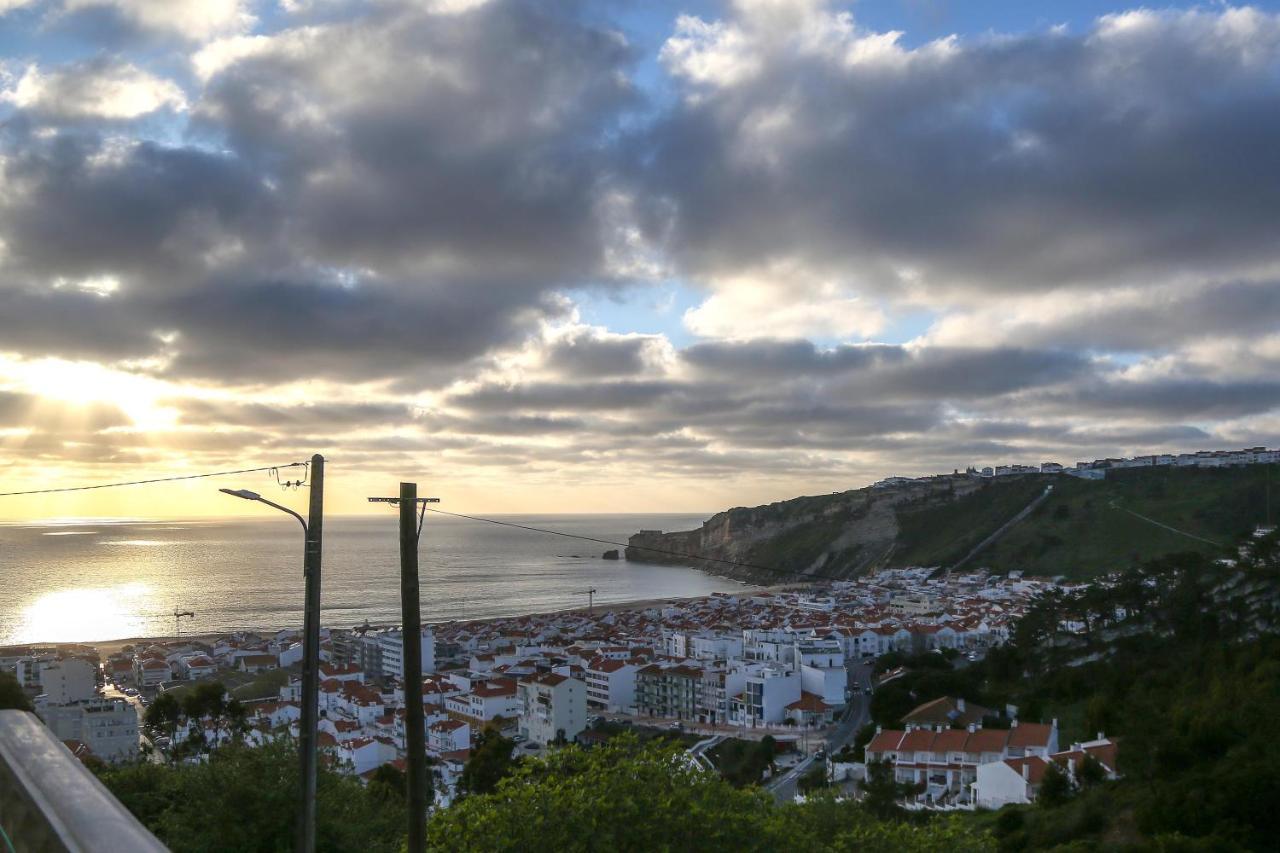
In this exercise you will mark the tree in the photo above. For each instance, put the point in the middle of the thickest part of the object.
(12, 696)
(164, 713)
(881, 791)
(625, 796)
(1092, 772)
(815, 779)
(491, 761)
(206, 699)
(389, 784)
(1055, 788)
(244, 799)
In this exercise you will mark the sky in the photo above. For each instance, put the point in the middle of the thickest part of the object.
(626, 256)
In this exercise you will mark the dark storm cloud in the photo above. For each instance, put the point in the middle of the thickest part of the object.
(1190, 398)
(554, 396)
(765, 358)
(390, 196)
(590, 356)
(337, 415)
(79, 205)
(890, 371)
(1161, 320)
(408, 138)
(394, 194)
(1009, 163)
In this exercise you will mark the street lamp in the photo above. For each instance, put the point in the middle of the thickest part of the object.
(308, 735)
(254, 496)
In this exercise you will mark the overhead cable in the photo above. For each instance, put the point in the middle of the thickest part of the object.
(153, 480)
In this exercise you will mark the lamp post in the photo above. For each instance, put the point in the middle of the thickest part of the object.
(307, 741)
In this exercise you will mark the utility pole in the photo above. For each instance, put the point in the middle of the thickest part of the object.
(411, 648)
(312, 530)
(590, 597)
(308, 734)
(412, 657)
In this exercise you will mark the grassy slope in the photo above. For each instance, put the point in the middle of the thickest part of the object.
(940, 534)
(1082, 530)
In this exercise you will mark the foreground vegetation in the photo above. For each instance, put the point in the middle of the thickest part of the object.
(626, 796)
(1180, 659)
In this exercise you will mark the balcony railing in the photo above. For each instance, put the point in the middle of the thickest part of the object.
(51, 803)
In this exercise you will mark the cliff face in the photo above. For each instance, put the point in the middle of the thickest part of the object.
(1078, 528)
(828, 536)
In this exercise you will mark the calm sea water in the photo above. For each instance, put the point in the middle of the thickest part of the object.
(65, 581)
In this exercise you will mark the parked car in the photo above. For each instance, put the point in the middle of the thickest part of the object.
(517, 738)
(131, 691)
(530, 745)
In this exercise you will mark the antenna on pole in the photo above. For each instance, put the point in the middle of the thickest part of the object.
(590, 594)
(177, 620)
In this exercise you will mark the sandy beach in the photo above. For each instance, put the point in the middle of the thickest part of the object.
(110, 647)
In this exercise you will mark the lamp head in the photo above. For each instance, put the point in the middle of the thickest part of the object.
(242, 493)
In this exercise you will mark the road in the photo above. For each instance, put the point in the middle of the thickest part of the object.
(109, 691)
(854, 717)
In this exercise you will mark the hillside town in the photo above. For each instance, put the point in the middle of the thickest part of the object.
(795, 665)
(1098, 468)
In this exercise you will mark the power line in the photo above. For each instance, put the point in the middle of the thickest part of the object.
(155, 480)
(650, 548)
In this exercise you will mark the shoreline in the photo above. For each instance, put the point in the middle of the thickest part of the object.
(112, 646)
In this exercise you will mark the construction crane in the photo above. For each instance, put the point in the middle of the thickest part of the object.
(177, 620)
(590, 594)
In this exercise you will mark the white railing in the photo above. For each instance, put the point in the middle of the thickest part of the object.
(51, 803)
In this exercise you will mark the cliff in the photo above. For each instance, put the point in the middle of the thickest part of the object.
(1077, 528)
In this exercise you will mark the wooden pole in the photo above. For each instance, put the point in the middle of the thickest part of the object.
(411, 628)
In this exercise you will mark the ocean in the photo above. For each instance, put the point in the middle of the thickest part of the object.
(85, 580)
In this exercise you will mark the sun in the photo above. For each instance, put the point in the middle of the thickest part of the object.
(89, 383)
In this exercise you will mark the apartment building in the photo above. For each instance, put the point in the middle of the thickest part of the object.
(552, 707)
(611, 684)
(668, 691)
(391, 646)
(109, 727)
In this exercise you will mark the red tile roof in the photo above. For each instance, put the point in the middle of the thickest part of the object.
(886, 740)
(1030, 734)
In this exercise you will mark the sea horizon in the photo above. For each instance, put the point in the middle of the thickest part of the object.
(98, 580)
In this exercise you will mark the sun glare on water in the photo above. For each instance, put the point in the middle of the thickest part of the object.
(75, 615)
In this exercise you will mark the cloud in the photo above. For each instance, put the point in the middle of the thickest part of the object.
(195, 20)
(587, 353)
(1152, 318)
(760, 305)
(379, 208)
(102, 88)
(965, 169)
(394, 195)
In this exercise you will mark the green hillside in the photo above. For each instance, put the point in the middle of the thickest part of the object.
(1085, 527)
(1079, 529)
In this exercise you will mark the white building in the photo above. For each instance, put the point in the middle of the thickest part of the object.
(391, 644)
(1013, 780)
(68, 680)
(361, 755)
(552, 707)
(150, 672)
(611, 684)
(486, 701)
(714, 647)
(448, 736)
(109, 727)
(766, 693)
